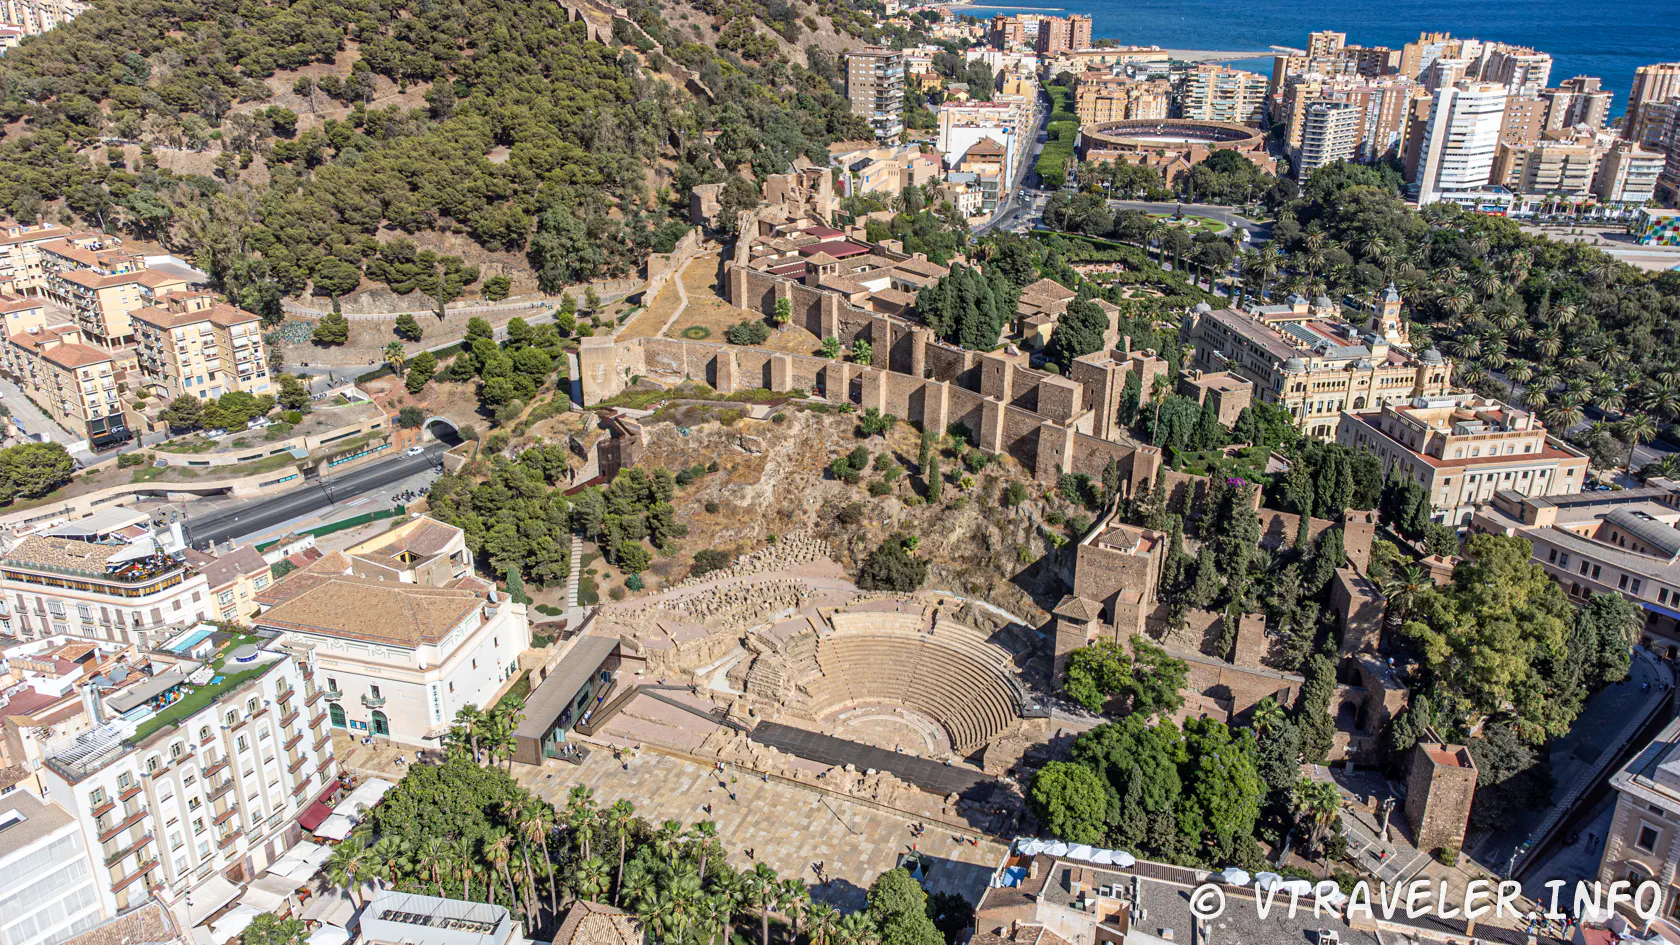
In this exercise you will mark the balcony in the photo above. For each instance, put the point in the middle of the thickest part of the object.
(215, 767)
(285, 695)
(292, 742)
(117, 885)
(116, 857)
(222, 818)
(314, 697)
(322, 741)
(316, 719)
(228, 840)
(290, 717)
(220, 790)
(333, 695)
(127, 822)
(373, 702)
(294, 766)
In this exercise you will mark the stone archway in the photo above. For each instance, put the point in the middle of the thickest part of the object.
(443, 430)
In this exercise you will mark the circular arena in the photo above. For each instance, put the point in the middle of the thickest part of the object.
(1146, 134)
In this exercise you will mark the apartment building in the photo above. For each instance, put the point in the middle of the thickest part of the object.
(19, 315)
(1057, 35)
(1620, 542)
(1101, 97)
(1525, 119)
(1005, 121)
(1460, 140)
(86, 390)
(1463, 448)
(193, 344)
(1627, 176)
(20, 254)
(235, 576)
(1381, 105)
(184, 801)
(1006, 32)
(1652, 84)
(102, 285)
(1305, 358)
(48, 881)
(405, 634)
(35, 17)
(1212, 92)
(885, 171)
(1331, 132)
(1516, 67)
(875, 87)
(1581, 100)
(138, 590)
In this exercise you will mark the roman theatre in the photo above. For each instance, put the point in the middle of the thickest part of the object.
(781, 665)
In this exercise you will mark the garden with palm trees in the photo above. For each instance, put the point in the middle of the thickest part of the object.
(467, 830)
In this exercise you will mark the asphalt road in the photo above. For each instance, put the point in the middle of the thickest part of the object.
(1226, 215)
(1026, 176)
(235, 521)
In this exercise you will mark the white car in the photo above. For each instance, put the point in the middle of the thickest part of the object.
(414, 451)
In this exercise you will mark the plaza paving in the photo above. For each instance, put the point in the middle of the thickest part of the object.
(791, 827)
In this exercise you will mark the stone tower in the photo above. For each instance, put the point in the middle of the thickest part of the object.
(1440, 785)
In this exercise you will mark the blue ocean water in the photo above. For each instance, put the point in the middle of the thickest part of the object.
(1606, 38)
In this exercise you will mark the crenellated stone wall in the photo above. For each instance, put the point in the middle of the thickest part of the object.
(1040, 419)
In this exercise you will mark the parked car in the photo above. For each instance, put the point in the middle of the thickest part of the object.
(414, 451)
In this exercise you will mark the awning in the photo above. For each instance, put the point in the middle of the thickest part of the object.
(319, 810)
(329, 935)
(268, 893)
(235, 922)
(331, 906)
(301, 861)
(363, 797)
(1658, 608)
(335, 827)
(209, 896)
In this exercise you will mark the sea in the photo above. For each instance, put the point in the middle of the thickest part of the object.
(1604, 38)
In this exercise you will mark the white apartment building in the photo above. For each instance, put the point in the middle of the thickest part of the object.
(49, 888)
(1460, 140)
(186, 802)
(136, 591)
(404, 634)
(1330, 132)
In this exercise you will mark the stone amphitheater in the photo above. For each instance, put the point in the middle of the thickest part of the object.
(891, 672)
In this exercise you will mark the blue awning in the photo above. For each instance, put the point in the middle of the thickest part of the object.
(1658, 608)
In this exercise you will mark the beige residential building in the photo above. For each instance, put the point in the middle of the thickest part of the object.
(1628, 175)
(37, 16)
(1463, 449)
(1651, 85)
(20, 255)
(1525, 119)
(1304, 357)
(404, 633)
(1103, 97)
(19, 315)
(1578, 101)
(1219, 93)
(1517, 67)
(103, 285)
(193, 344)
(1643, 842)
(234, 576)
(87, 390)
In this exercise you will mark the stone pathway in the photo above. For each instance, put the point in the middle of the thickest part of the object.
(789, 826)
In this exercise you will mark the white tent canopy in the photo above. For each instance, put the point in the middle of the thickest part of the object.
(1057, 849)
(301, 862)
(1233, 876)
(207, 897)
(349, 811)
(329, 935)
(269, 892)
(1331, 893)
(1031, 847)
(233, 923)
(1122, 858)
(1082, 852)
(335, 827)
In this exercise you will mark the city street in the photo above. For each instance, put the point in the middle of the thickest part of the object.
(1227, 215)
(1014, 208)
(239, 520)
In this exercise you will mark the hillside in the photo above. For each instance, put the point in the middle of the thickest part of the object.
(315, 146)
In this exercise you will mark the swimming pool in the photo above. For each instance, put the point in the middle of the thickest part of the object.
(189, 641)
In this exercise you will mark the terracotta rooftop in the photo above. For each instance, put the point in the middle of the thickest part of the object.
(373, 611)
(220, 569)
(594, 923)
(1048, 289)
(219, 314)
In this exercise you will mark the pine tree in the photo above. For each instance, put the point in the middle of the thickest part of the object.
(934, 480)
(1131, 397)
(1312, 710)
(1205, 589)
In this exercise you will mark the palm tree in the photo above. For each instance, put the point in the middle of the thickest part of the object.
(1402, 590)
(390, 855)
(580, 815)
(470, 719)
(1317, 806)
(1563, 416)
(796, 898)
(619, 817)
(434, 852)
(461, 855)
(589, 879)
(668, 839)
(763, 889)
(1636, 429)
(518, 812)
(704, 837)
(1662, 398)
(350, 866)
(822, 921)
(1267, 716)
(856, 929)
(638, 885)
(714, 913)
(498, 850)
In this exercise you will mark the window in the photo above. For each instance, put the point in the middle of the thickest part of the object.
(1635, 587)
(198, 825)
(204, 733)
(1622, 585)
(1596, 571)
(96, 798)
(243, 744)
(1662, 595)
(1584, 566)
(251, 705)
(1552, 557)
(225, 598)
(374, 690)
(1647, 838)
(1563, 560)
